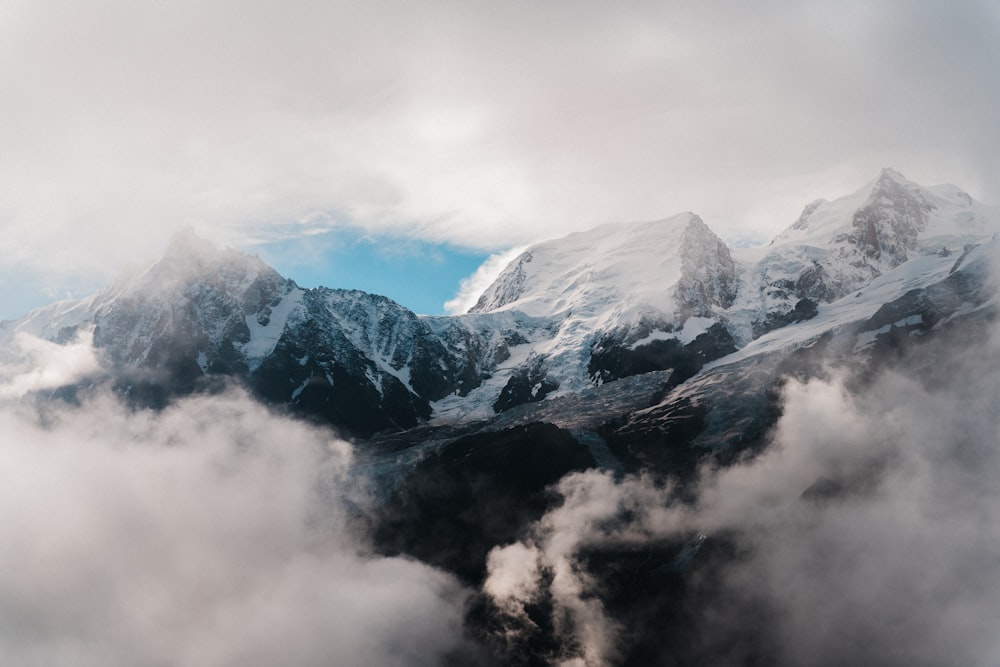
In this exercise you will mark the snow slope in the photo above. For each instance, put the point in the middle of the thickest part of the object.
(637, 285)
(634, 281)
(615, 273)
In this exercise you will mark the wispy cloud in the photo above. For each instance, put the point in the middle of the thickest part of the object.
(33, 364)
(473, 286)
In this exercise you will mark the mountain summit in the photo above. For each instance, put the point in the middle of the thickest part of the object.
(673, 266)
(628, 417)
(837, 247)
(567, 315)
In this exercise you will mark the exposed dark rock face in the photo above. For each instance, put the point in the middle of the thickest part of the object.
(394, 333)
(476, 352)
(928, 306)
(883, 234)
(662, 443)
(611, 359)
(885, 229)
(171, 328)
(813, 284)
(334, 389)
(805, 309)
(336, 356)
(476, 493)
(528, 384)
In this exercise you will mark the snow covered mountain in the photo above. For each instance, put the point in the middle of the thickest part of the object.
(837, 247)
(633, 298)
(647, 347)
(617, 301)
(620, 273)
(200, 315)
(609, 291)
(946, 300)
(897, 278)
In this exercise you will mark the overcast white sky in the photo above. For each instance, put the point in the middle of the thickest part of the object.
(484, 124)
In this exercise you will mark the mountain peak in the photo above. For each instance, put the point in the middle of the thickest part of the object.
(696, 225)
(190, 253)
(191, 262)
(708, 273)
(891, 184)
(890, 195)
(672, 266)
(186, 243)
(888, 173)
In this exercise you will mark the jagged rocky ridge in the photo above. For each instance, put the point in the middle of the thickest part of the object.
(649, 347)
(566, 315)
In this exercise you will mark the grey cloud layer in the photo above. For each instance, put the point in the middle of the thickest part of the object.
(488, 125)
(212, 533)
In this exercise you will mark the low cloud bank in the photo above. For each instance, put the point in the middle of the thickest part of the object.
(211, 533)
(34, 364)
(867, 532)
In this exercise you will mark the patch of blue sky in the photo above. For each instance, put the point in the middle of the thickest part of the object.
(420, 275)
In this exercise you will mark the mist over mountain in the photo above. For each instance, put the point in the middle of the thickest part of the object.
(640, 446)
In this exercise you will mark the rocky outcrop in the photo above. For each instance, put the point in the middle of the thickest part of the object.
(884, 230)
(708, 274)
(509, 286)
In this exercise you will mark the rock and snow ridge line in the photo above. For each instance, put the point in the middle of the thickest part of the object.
(642, 282)
(645, 295)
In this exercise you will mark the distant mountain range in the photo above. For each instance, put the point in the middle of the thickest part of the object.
(567, 315)
(647, 347)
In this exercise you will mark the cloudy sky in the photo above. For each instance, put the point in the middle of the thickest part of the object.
(437, 130)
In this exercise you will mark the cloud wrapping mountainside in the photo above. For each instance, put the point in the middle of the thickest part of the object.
(853, 522)
(211, 533)
(865, 533)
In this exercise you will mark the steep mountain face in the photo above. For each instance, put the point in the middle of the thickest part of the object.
(357, 360)
(200, 315)
(193, 308)
(934, 301)
(619, 273)
(569, 314)
(649, 348)
(838, 247)
(622, 299)
(708, 273)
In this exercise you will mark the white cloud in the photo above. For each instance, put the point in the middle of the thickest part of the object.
(472, 287)
(513, 576)
(212, 533)
(35, 364)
